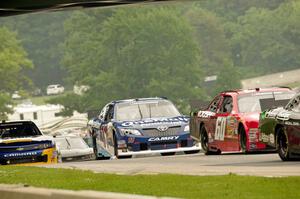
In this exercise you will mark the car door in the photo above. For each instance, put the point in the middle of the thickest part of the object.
(212, 117)
(226, 126)
(97, 133)
(106, 129)
(293, 124)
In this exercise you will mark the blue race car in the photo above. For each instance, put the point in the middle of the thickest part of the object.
(141, 126)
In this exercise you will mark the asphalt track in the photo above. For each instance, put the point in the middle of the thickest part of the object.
(196, 164)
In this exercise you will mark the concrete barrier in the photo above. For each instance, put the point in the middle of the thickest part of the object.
(27, 192)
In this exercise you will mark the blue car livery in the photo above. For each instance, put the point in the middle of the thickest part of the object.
(141, 126)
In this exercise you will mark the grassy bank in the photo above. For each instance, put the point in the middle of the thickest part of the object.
(229, 186)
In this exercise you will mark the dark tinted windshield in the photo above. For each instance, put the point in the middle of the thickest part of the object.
(18, 130)
(131, 111)
(252, 102)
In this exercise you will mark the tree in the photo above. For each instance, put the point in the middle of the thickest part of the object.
(232, 9)
(268, 41)
(211, 38)
(13, 60)
(229, 78)
(138, 53)
(42, 35)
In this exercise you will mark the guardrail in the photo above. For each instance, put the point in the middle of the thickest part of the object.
(73, 122)
(26, 192)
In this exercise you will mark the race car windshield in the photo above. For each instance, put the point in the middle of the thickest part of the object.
(252, 103)
(142, 110)
(18, 130)
(297, 108)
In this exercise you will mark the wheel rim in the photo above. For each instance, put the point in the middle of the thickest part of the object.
(283, 144)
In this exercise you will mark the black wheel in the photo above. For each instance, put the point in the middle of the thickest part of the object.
(243, 139)
(116, 147)
(168, 154)
(282, 144)
(191, 152)
(204, 141)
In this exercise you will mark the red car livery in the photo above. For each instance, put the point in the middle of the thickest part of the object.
(230, 122)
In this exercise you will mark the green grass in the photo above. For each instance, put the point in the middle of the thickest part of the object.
(228, 186)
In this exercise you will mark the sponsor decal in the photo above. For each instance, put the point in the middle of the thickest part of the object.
(163, 138)
(150, 122)
(20, 154)
(292, 123)
(272, 139)
(265, 137)
(220, 128)
(231, 127)
(252, 146)
(205, 114)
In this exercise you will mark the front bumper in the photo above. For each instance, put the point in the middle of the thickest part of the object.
(150, 152)
(44, 156)
(154, 145)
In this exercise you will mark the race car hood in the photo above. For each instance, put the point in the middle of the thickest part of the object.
(27, 139)
(154, 122)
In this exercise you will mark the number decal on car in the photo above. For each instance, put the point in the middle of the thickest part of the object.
(220, 128)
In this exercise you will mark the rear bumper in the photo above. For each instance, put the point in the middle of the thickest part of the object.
(149, 152)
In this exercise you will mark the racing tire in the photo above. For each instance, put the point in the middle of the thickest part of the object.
(115, 147)
(243, 139)
(168, 154)
(192, 152)
(204, 141)
(282, 144)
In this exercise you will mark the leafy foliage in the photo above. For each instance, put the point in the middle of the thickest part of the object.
(137, 53)
(13, 60)
(160, 50)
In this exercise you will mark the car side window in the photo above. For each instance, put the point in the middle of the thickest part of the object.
(213, 107)
(109, 113)
(227, 105)
(102, 113)
(295, 105)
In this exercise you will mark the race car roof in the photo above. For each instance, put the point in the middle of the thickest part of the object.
(244, 91)
(16, 7)
(21, 122)
(139, 99)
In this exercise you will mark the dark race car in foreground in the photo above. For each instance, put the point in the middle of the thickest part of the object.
(280, 128)
(141, 126)
(230, 122)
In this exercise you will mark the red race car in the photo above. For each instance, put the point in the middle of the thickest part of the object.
(230, 122)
